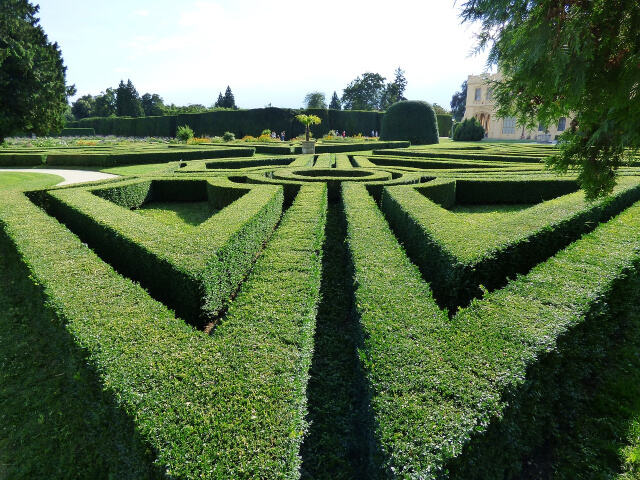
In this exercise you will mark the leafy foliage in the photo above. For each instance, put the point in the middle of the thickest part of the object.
(128, 103)
(414, 121)
(315, 100)
(569, 58)
(184, 133)
(33, 92)
(469, 130)
(394, 92)
(152, 104)
(307, 121)
(364, 93)
(459, 102)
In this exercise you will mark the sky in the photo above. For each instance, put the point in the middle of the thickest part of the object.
(269, 53)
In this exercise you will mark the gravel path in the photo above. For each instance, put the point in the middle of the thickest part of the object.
(70, 176)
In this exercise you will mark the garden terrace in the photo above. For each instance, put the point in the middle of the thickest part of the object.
(322, 316)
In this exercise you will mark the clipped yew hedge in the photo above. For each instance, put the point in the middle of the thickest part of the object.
(226, 405)
(461, 261)
(472, 396)
(193, 270)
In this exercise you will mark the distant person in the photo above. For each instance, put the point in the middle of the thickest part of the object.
(282, 135)
(344, 134)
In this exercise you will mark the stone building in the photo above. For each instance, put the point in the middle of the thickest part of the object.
(481, 105)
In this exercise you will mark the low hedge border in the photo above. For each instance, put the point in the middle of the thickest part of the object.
(224, 406)
(462, 262)
(143, 157)
(195, 270)
(472, 397)
(21, 159)
(440, 154)
(255, 162)
(434, 164)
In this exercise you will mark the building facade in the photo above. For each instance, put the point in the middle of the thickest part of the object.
(481, 106)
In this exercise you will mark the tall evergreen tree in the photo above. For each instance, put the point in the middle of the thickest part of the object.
(33, 91)
(220, 102)
(335, 102)
(128, 103)
(229, 101)
(394, 92)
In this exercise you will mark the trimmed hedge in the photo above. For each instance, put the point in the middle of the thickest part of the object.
(462, 155)
(194, 270)
(161, 155)
(413, 121)
(462, 261)
(77, 132)
(474, 396)
(230, 405)
(21, 159)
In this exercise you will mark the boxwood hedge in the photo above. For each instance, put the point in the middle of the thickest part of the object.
(195, 270)
(471, 396)
(227, 405)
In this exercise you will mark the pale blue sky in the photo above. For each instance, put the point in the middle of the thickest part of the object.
(188, 51)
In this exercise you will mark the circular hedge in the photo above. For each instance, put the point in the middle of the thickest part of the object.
(411, 120)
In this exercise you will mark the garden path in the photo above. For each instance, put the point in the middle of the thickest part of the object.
(70, 176)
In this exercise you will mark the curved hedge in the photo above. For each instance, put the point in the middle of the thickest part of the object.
(410, 120)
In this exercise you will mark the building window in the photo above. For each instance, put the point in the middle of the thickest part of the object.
(489, 93)
(478, 94)
(541, 127)
(509, 125)
(562, 124)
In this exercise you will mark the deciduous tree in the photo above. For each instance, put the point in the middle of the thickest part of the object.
(315, 100)
(105, 103)
(560, 58)
(364, 93)
(152, 105)
(33, 90)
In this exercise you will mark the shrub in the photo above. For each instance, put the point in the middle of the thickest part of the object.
(468, 131)
(410, 120)
(228, 137)
(184, 133)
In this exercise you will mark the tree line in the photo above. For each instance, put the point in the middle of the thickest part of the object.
(367, 92)
(124, 101)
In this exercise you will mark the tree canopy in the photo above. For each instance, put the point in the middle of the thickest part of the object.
(459, 102)
(364, 93)
(128, 103)
(315, 100)
(33, 90)
(569, 58)
(370, 92)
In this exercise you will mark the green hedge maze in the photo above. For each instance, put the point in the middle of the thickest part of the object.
(437, 315)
